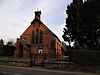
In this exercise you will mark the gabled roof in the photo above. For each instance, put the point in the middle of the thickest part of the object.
(40, 22)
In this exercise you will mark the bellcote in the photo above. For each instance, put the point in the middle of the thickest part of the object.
(37, 14)
(37, 17)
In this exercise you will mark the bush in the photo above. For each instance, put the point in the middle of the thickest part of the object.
(84, 57)
(7, 51)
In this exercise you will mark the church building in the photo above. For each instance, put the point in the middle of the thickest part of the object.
(38, 40)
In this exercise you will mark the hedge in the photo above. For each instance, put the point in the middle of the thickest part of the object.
(85, 57)
(7, 51)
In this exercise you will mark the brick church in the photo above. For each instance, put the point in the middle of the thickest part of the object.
(38, 40)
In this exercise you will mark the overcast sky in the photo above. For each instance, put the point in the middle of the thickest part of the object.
(16, 16)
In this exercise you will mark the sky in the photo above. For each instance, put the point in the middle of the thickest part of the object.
(17, 15)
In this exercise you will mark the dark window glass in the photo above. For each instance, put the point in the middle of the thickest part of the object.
(41, 36)
(37, 36)
(33, 37)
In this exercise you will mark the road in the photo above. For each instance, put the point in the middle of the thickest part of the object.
(8, 70)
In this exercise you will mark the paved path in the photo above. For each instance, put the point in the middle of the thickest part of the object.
(9, 70)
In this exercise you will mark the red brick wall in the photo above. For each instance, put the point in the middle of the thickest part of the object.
(48, 37)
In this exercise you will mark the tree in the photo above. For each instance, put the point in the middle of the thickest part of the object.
(1, 47)
(83, 24)
(1, 44)
(64, 48)
(10, 43)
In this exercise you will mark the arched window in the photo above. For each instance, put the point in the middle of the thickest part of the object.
(37, 36)
(41, 36)
(33, 37)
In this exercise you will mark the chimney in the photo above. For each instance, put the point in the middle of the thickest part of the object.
(37, 14)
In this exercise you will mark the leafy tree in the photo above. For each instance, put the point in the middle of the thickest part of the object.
(1, 44)
(83, 24)
(64, 48)
(10, 43)
(1, 47)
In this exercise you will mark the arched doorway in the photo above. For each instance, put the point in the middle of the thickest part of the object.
(21, 50)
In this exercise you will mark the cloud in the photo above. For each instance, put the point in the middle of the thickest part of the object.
(16, 15)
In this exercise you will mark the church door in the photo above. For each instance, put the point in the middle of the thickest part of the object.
(21, 50)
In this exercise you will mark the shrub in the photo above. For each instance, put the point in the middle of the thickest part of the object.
(84, 57)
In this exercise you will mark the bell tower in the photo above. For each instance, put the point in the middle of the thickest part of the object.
(37, 14)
